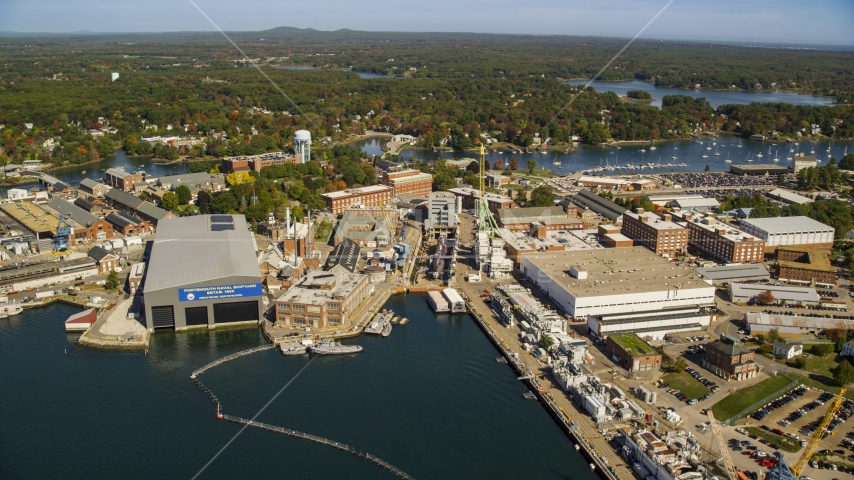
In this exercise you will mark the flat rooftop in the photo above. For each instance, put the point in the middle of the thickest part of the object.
(201, 249)
(615, 271)
(357, 191)
(654, 221)
(735, 272)
(788, 224)
(319, 287)
(711, 225)
(35, 218)
(633, 344)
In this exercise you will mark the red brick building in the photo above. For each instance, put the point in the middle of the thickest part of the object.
(659, 234)
(371, 196)
(408, 181)
(121, 179)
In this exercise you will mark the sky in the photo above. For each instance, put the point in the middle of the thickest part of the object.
(823, 22)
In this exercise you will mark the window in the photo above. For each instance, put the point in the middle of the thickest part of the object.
(298, 308)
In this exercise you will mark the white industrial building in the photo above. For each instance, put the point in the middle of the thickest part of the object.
(653, 324)
(743, 292)
(615, 281)
(787, 231)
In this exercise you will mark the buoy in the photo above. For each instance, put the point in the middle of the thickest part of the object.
(577, 448)
(592, 467)
(192, 377)
(219, 416)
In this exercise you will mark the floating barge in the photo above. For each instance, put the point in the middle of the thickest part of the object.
(437, 302)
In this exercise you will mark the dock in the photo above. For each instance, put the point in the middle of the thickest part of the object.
(583, 437)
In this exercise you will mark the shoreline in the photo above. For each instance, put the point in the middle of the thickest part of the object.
(798, 92)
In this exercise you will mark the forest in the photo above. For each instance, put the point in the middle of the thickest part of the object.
(452, 87)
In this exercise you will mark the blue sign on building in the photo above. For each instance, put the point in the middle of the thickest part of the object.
(220, 292)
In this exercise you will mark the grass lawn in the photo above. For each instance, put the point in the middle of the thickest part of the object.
(685, 383)
(634, 344)
(815, 363)
(745, 397)
(785, 443)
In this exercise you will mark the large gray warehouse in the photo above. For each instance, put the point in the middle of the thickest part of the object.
(202, 271)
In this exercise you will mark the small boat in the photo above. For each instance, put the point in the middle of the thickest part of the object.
(331, 347)
(404, 321)
(10, 309)
(529, 395)
(727, 161)
(653, 145)
(386, 330)
(395, 320)
(555, 161)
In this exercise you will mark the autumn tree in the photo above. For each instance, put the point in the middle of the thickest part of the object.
(514, 165)
(239, 178)
(765, 298)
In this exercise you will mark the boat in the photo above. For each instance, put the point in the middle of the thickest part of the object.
(331, 347)
(395, 320)
(727, 161)
(376, 327)
(776, 157)
(293, 349)
(717, 154)
(386, 330)
(404, 321)
(530, 395)
(555, 161)
(653, 145)
(709, 147)
(9, 309)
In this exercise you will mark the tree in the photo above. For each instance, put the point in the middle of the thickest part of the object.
(239, 178)
(546, 342)
(765, 298)
(797, 362)
(514, 165)
(773, 335)
(498, 165)
(542, 197)
(442, 181)
(843, 374)
(532, 164)
(184, 195)
(112, 281)
(202, 201)
(822, 349)
(708, 168)
(170, 201)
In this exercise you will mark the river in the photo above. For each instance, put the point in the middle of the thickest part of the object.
(430, 399)
(715, 97)
(689, 152)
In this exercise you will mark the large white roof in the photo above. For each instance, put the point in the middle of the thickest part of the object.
(787, 224)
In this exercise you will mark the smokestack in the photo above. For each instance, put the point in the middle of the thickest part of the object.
(308, 234)
(288, 223)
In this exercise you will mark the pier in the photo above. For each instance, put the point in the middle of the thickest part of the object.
(583, 437)
(294, 433)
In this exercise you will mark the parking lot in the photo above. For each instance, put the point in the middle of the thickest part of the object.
(794, 417)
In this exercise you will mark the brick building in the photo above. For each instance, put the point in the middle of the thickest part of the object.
(548, 219)
(121, 179)
(805, 265)
(723, 242)
(93, 187)
(634, 354)
(322, 298)
(471, 198)
(730, 360)
(87, 227)
(659, 234)
(408, 181)
(371, 196)
(106, 261)
(256, 162)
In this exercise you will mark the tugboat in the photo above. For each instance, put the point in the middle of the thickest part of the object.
(386, 330)
(331, 347)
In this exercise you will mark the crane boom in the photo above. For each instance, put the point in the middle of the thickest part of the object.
(732, 473)
(799, 467)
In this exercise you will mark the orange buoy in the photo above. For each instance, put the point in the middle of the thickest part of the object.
(219, 416)
(192, 377)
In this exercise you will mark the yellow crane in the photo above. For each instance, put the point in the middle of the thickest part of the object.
(731, 472)
(799, 467)
(392, 230)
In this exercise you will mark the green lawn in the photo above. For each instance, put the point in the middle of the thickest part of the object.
(633, 344)
(785, 443)
(323, 230)
(819, 365)
(745, 397)
(685, 383)
(849, 394)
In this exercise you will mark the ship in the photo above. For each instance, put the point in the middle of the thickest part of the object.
(404, 321)
(293, 349)
(9, 309)
(331, 347)
(386, 330)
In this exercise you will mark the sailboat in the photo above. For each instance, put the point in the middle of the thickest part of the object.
(759, 155)
(717, 154)
(653, 145)
(556, 161)
(727, 158)
(739, 144)
(776, 157)
(710, 146)
(748, 158)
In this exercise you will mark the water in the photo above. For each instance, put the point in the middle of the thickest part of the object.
(715, 97)
(361, 74)
(689, 152)
(430, 400)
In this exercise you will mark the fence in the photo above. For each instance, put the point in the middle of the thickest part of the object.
(755, 406)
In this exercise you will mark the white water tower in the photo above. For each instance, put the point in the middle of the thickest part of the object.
(302, 144)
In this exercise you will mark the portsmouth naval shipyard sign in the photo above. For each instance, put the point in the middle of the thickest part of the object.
(220, 292)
